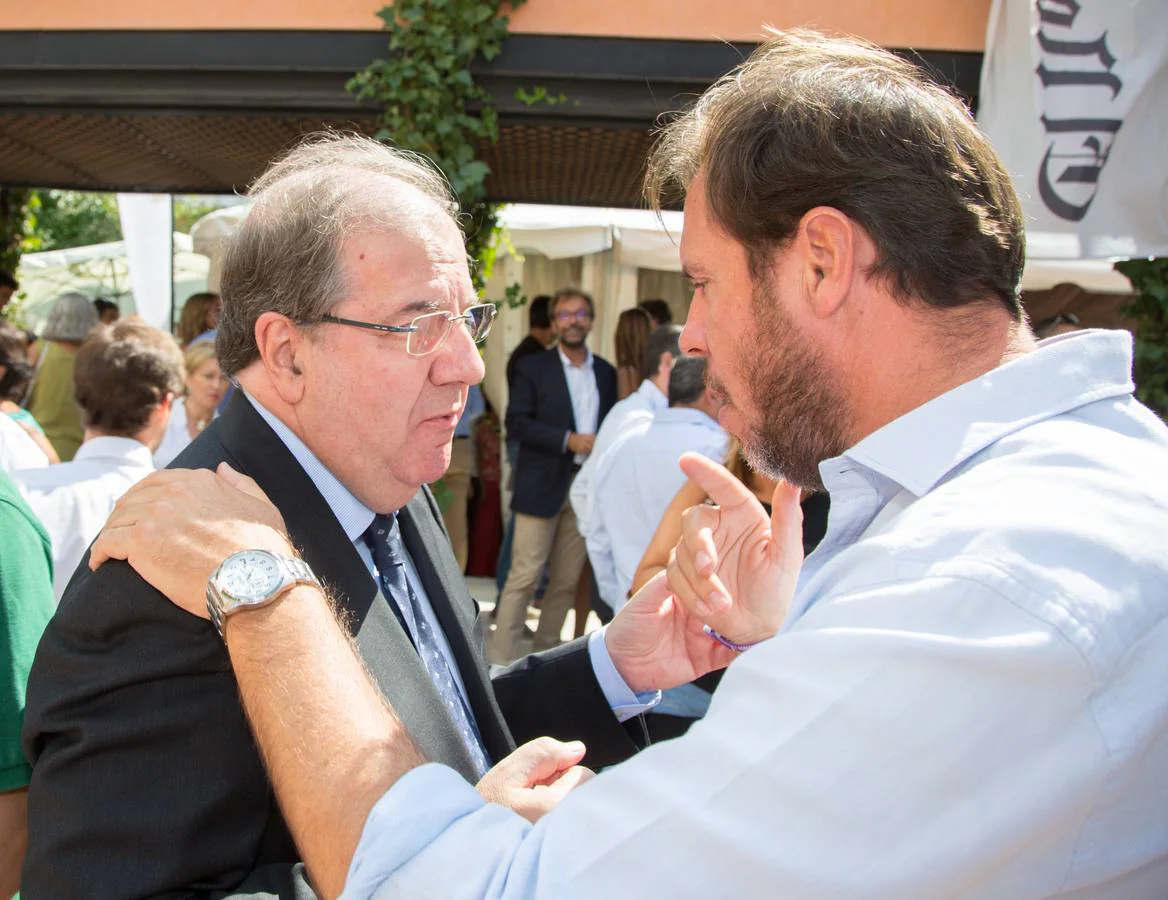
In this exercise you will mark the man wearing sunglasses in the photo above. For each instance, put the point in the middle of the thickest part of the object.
(349, 325)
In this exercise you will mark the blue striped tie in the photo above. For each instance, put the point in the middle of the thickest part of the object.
(384, 540)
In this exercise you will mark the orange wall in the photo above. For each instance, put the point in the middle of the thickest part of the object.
(937, 24)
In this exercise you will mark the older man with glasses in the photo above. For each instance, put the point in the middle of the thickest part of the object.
(349, 324)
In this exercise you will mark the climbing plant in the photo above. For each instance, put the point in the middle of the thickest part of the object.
(1149, 278)
(18, 207)
(14, 225)
(430, 102)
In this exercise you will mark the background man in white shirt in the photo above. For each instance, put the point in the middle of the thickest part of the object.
(966, 698)
(17, 449)
(637, 477)
(649, 397)
(125, 379)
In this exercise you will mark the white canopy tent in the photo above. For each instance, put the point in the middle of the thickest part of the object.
(103, 270)
(645, 240)
(616, 255)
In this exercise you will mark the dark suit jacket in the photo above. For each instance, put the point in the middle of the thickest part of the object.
(146, 782)
(539, 414)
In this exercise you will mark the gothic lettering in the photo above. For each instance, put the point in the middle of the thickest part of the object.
(1071, 70)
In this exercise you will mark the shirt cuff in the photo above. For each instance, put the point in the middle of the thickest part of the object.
(625, 704)
(564, 448)
(414, 818)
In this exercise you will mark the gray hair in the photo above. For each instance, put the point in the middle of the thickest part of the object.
(687, 380)
(286, 257)
(71, 318)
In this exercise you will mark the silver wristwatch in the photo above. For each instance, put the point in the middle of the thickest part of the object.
(250, 579)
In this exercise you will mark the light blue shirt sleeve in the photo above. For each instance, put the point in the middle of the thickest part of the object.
(423, 808)
(624, 702)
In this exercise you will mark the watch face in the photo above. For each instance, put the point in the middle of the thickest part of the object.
(250, 575)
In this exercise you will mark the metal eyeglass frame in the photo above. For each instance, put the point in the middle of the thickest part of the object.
(413, 328)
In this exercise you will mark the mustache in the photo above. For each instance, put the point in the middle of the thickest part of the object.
(716, 387)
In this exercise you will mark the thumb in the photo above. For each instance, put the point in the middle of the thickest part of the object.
(786, 524)
(547, 757)
(720, 486)
(652, 594)
(241, 482)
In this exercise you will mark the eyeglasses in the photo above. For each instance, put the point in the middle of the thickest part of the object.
(580, 315)
(426, 332)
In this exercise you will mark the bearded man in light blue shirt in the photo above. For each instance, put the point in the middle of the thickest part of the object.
(961, 695)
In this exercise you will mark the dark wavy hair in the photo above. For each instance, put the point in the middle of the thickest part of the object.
(810, 120)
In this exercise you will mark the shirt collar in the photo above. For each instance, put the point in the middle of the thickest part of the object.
(1064, 373)
(652, 395)
(686, 415)
(119, 448)
(568, 364)
(353, 515)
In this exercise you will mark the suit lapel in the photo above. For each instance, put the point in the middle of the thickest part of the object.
(429, 548)
(384, 644)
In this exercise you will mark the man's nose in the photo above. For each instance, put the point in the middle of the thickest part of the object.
(692, 339)
(461, 360)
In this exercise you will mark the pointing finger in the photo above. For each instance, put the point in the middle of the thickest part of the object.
(720, 486)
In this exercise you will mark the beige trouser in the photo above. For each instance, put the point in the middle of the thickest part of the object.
(457, 481)
(557, 541)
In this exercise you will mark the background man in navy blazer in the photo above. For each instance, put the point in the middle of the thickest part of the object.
(558, 400)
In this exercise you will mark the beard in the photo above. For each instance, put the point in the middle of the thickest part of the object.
(796, 417)
(573, 337)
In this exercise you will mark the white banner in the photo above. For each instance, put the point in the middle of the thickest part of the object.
(1074, 96)
(146, 229)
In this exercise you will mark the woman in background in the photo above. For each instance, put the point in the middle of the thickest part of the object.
(632, 333)
(200, 318)
(189, 415)
(15, 375)
(51, 400)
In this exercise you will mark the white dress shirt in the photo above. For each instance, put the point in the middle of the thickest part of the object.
(355, 518)
(633, 485)
(967, 700)
(74, 499)
(585, 396)
(17, 449)
(640, 404)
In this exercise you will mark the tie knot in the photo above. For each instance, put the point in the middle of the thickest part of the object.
(384, 537)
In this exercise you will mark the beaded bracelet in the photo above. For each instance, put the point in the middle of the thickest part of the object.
(725, 641)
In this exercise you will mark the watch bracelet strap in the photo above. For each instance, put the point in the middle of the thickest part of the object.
(301, 573)
(300, 570)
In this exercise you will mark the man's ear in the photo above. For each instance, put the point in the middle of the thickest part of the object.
(829, 247)
(283, 346)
